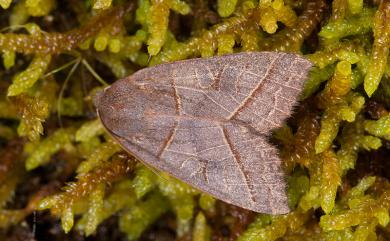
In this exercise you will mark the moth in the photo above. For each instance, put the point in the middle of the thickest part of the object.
(206, 121)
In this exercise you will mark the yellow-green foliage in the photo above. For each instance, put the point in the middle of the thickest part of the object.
(330, 180)
(201, 229)
(55, 154)
(157, 17)
(226, 7)
(26, 79)
(340, 106)
(379, 128)
(352, 140)
(102, 4)
(86, 195)
(144, 181)
(5, 3)
(98, 156)
(40, 153)
(120, 197)
(135, 220)
(181, 198)
(272, 228)
(380, 48)
(274, 11)
(39, 8)
(89, 130)
(32, 111)
(353, 25)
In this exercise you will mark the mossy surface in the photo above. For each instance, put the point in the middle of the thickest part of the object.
(63, 178)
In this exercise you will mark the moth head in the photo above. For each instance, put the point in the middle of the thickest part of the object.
(98, 96)
(122, 108)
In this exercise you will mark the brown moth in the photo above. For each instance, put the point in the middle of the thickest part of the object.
(206, 122)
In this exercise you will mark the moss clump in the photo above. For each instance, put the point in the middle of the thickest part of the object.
(55, 155)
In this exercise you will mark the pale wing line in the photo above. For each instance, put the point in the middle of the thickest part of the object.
(182, 153)
(198, 128)
(199, 170)
(242, 94)
(238, 161)
(205, 119)
(287, 86)
(228, 94)
(266, 120)
(214, 147)
(267, 91)
(189, 117)
(234, 98)
(181, 129)
(243, 81)
(193, 156)
(281, 96)
(197, 155)
(257, 116)
(209, 73)
(250, 72)
(292, 75)
(205, 174)
(269, 200)
(219, 74)
(275, 108)
(241, 184)
(214, 101)
(236, 82)
(216, 77)
(249, 96)
(276, 97)
(277, 93)
(196, 90)
(184, 77)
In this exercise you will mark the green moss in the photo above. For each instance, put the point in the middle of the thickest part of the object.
(201, 229)
(379, 128)
(144, 181)
(57, 54)
(226, 7)
(354, 25)
(40, 153)
(5, 3)
(102, 4)
(134, 221)
(26, 79)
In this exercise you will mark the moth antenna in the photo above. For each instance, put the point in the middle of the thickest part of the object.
(61, 94)
(149, 58)
(93, 72)
(154, 170)
(34, 227)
